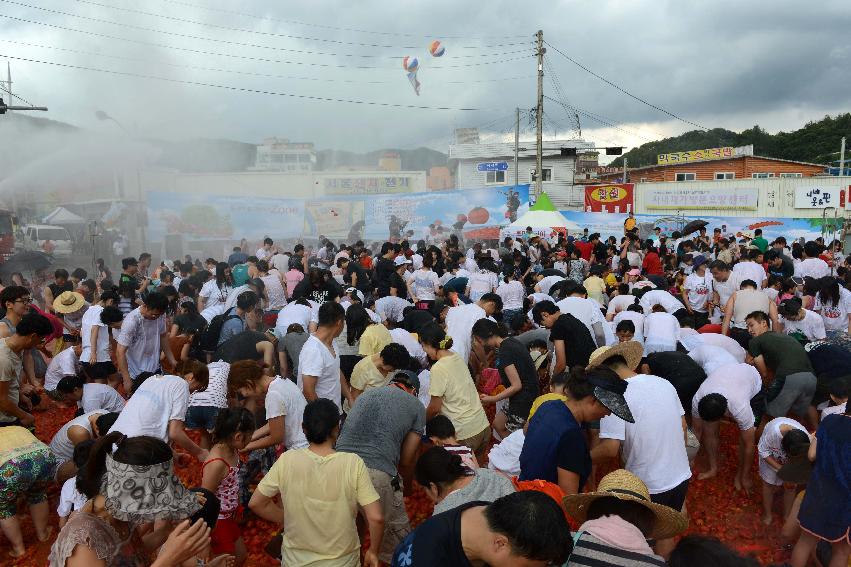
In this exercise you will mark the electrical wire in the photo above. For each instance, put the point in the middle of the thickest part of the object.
(553, 77)
(247, 73)
(336, 28)
(211, 39)
(234, 55)
(11, 94)
(621, 89)
(288, 36)
(240, 89)
(596, 118)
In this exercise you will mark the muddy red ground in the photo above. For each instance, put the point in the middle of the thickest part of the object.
(714, 508)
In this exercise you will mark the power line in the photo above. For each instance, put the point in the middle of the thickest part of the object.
(559, 90)
(596, 118)
(240, 89)
(621, 89)
(336, 28)
(218, 40)
(247, 73)
(11, 94)
(236, 56)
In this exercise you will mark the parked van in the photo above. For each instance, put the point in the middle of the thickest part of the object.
(36, 235)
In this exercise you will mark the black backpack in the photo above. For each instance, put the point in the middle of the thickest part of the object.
(208, 339)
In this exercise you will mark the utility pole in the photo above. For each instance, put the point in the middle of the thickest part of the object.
(539, 116)
(624, 170)
(842, 158)
(516, 146)
(9, 81)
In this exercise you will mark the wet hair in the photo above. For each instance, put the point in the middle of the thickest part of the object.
(105, 421)
(34, 323)
(357, 320)
(812, 249)
(395, 355)
(156, 301)
(440, 467)
(534, 525)
(231, 421)
(199, 371)
(320, 418)
(142, 451)
(719, 265)
(542, 307)
(61, 273)
(839, 387)
(13, 293)
(626, 326)
(243, 374)
(247, 300)
(67, 384)
(492, 298)
(633, 512)
(828, 292)
(210, 509)
(330, 313)
(435, 337)
(109, 295)
(111, 315)
(486, 329)
(82, 450)
(440, 426)
(747, 283)
(707, 551)
(127, 262)
(758, 316)
(712, 407)
(795, 443)
(295, 328)
(221, 279)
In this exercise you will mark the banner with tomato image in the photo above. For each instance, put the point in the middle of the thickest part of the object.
(609, 198)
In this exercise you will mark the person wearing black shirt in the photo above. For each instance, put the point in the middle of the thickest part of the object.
(247, 345)
(678, 368)
(478, 533)
(779, 265)
(384, 268)
(398, 286)
(572, 341)
(517, 372)
(318, 286)
(355, 275)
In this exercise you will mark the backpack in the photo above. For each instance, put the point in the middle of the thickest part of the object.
(208, 339)
(239, 273)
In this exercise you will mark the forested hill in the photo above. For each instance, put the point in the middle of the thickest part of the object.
(816, 142)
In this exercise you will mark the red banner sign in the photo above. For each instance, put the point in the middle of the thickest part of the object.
(610, 198)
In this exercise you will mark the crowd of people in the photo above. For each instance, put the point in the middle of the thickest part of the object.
(549, 394)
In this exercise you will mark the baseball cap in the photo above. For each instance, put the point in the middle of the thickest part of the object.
(357, 293)
(610, 393)
(698, 261)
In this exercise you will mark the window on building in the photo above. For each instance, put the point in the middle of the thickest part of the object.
(762, 175)
(720, 175)
(791, 175)
(643, 180)
(547, 177)
(685, 177)
(495, 177)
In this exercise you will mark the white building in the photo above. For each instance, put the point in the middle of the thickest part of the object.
(492, 164)
(282, 155)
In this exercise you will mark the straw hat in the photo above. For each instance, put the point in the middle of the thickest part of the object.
(631, 351)
(624, 485)
(68, 302)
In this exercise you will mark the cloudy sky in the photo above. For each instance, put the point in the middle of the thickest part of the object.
(727, 64)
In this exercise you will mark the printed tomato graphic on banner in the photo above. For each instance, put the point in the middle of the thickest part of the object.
(478, 215)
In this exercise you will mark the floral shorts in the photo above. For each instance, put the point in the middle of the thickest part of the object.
(29, 474)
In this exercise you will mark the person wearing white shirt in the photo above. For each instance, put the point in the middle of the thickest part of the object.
(512, 293)
(391, 308)
(697, 340)
(89, 397)
(654, 446)
(66, 363)
(696, 290)
(710, 358)
(411, 344)
(734, 391)
(546, 282)
(660, 297)
(298, 311)
(142, 338)
(319, 373)
(812, 266)
(793, 318)
(265, 251)
(661, 331)
(780, 438)
(88, 426)
(748, 269)
(637, 319)
(833, 303)
(460, 321)
(423, 284)
(158, 407)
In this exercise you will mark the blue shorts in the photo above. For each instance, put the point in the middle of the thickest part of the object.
(201, 417)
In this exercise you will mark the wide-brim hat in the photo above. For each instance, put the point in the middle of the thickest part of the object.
(631, 351)
(624, 485)
(68, 302)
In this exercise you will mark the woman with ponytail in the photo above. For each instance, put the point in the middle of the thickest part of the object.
(129, 482)
(450, 484)
(453, 392)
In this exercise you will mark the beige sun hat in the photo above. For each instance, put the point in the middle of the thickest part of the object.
(624, 485)
(631, 351)
(68, 302)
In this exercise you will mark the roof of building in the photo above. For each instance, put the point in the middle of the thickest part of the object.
(689, 163)
(506, 149)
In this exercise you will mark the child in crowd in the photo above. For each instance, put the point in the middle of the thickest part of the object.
(838, 391)
(625, 331)
(781, 439)
(441, 432)
(205, 405)
(70, 499)
(220, 474)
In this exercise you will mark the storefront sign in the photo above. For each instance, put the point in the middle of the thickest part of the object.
(367, 185)
(819, 196)
(611, 198)
(744, 198)
(703, 155)
(493, 166)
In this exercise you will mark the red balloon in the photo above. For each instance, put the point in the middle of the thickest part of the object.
(479, 215)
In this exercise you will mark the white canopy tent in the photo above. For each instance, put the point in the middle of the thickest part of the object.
(62, 216)
(544, 220)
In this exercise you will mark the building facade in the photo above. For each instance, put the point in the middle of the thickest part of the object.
(739, 167)
(275, 154)
(492, 165)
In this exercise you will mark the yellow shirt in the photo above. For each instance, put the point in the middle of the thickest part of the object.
(16, 441)
(451, 380)
(611, 280)
(320, 497)
(374, 338)
(596, 288)
(365, 375)
(545, 398)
